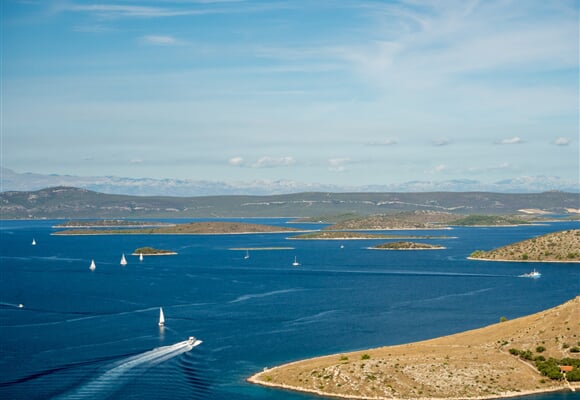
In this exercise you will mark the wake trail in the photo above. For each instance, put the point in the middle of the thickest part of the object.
(112, 379)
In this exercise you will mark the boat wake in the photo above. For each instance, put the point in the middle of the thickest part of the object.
(120, 372)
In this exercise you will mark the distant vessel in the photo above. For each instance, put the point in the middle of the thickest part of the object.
(140, 256)
(161, 317)
(534, 274)
(123, 260)
(295, 263)
(247, 255)
(33, 242)
(93, 266)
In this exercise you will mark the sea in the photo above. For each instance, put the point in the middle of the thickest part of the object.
(67, 332)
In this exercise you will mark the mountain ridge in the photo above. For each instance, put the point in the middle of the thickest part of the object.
(68, 202)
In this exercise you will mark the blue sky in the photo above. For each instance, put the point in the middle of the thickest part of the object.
(345, 92)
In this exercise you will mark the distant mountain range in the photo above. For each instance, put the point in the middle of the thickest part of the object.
(14, 181)
(76, 203)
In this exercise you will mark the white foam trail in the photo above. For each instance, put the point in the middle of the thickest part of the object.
(258, 295)
(114, 377)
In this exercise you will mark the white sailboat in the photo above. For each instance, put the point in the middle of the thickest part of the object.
(295, 263)
(93, 266)
(140, 256)
(247, 255)
(161, 317)
(123, 260)
(33, 242)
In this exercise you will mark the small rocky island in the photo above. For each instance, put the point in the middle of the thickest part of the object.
(407, 246)
(563, 246)
(150, 251)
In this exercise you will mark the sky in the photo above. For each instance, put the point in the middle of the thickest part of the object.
(341, 92)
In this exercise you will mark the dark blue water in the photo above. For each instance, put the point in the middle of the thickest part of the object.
(83, 334)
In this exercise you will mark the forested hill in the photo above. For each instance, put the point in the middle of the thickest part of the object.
(68, 202)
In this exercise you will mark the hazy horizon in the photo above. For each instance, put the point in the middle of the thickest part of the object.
(345, 94)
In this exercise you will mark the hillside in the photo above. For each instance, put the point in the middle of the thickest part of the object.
(404, 220)
(472, 364)
(561, 246)
(67, 203)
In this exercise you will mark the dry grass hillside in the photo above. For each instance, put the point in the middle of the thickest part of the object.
(561, 246)
(473, 364)
(403, 220)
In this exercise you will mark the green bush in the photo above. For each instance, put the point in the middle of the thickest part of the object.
(540, 349)
(365, 357)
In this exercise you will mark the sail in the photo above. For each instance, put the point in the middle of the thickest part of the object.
(93, 266)
(33, 242)
(123, 260)
(140, 256)
(161, 317)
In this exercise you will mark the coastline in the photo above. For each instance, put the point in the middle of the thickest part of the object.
(254, 379)
(430, 248)
(523, 261)
(474, 364)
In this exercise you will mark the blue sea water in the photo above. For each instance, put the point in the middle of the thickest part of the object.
(83, 334)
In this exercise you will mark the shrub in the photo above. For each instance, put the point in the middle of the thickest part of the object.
(540, 349)
(365, 357)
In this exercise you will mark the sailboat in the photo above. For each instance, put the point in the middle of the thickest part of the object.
(123, 260)
(93, 266)
(33, 242)
(161, 317)
(140, 256)
(247, 255)
(295, 263)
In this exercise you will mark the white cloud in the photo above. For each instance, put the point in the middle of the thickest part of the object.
(562, 141)
(236, 161)
(337, 164)
(437, 169)
(272, 162)
(136, 161)
(160, 40)
(513, 140)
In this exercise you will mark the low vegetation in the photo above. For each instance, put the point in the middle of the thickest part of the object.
(335, 235)
(490, 220)
(150, 251)
(189, 228)
(407, 246)
(402, 220)
(473, 364)
(561, 246)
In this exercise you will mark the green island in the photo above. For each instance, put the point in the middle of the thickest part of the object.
(492, 220)
(533, 354)
(192, 228)
(397, 221)
(150, 251)
(111, 223)
(407, 246)
(563, 246)
(347, 235)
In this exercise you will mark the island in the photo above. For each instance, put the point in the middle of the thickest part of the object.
(492, 220)
(533, 354)
(192, 228)
(347, 235)
(397, 221)
(562, 246)
(407, 246)
(150, 251)
(111, 223)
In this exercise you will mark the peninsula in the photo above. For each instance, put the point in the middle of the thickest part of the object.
(563, 246)
(193, 228)
(500, 360)
(399, 221)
